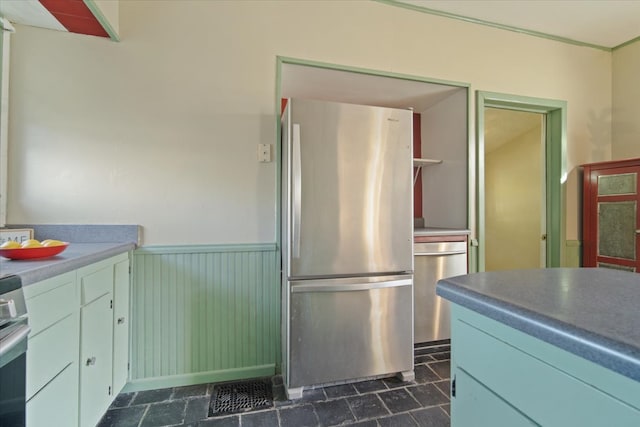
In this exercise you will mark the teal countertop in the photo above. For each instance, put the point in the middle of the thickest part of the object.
(75, 256)
(590, 312)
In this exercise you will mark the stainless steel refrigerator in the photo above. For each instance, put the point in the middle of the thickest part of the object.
(347, 235)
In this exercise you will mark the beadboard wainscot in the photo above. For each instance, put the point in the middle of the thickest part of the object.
(573, 254)
(203, 314)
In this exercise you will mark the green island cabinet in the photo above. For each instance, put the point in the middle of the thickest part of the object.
(78, 350)
(504, 377)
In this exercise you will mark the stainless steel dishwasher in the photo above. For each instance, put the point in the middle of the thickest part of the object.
(432, 262)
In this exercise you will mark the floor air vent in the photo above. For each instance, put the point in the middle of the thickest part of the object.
(231, 398)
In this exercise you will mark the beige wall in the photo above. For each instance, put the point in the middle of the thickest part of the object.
(161, 129)
(513, 203)
(626, 102)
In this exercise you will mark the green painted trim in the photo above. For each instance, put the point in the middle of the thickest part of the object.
(493, 24)
(95, 10)
(627, 43)
(199, 378)
(278, 207)
(4, 120)
(472, 265)
(201, 249)
(556, 165)
(479, 200)
(280, 61)
(295, 61)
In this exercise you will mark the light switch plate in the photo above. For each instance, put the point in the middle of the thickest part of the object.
(264, 153)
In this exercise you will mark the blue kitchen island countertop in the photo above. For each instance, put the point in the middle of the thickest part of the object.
(75, 256)
(590, 312)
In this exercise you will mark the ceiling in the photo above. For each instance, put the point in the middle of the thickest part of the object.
(73, 16)
(601, 23)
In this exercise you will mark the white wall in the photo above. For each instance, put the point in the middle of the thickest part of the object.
(626, 105)
(161, 129)
(444, 186)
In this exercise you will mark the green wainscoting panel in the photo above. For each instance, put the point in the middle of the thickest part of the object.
(203, 314)
(573, 254)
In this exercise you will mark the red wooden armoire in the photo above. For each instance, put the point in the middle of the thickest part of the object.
(610, 217)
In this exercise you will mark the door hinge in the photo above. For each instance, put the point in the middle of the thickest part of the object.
(129, 268)
(453, 387)
(109, 390)
(111, 304)
(128, 366)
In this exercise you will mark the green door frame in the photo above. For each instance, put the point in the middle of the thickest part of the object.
(555, 112)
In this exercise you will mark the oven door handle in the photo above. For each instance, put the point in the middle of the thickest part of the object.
(13, 339)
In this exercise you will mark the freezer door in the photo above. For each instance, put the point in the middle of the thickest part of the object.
(342, 330)
(349, 189)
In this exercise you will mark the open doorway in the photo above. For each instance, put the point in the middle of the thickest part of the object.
(515, 202)
(547, 234)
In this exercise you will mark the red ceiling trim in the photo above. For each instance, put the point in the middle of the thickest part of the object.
(75, 16)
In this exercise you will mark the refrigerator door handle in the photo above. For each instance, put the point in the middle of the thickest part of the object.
(440, 253)
(297, 190)
(349, 287)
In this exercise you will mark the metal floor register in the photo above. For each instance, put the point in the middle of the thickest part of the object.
(232, 398)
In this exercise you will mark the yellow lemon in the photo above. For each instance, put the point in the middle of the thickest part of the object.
(10, 244)
(31, 243)
(50, 242)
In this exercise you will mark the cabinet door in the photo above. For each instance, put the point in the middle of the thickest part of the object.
(120, 326)
(611, 217)
(96, 359)
(476, 405)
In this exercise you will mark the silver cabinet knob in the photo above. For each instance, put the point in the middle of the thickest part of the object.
(120, 320)
(91, 361)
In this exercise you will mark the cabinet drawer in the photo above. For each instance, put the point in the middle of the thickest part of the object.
(55, 404)
(538, 389)
(50, 352)
(49, 307)
(94, 285)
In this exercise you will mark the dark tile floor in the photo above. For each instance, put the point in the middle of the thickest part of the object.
(386, 402)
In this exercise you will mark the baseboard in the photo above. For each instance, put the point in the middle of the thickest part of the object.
(199, 378)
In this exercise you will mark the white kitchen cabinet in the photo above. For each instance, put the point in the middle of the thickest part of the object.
(77, 356)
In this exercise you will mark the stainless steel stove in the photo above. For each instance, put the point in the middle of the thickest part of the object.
(14, 330)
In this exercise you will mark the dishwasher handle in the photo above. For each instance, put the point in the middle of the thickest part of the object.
(440, 253)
